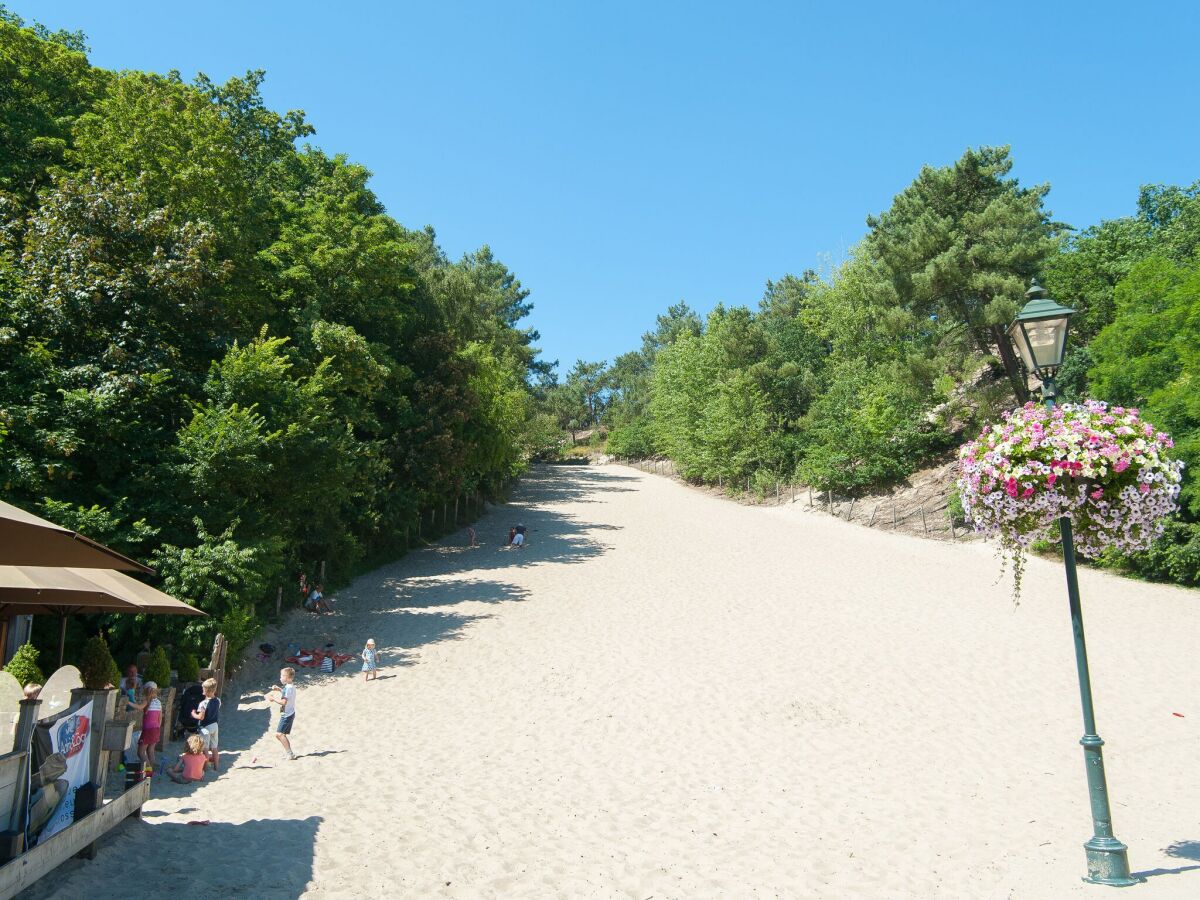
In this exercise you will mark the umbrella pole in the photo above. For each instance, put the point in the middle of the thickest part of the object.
(62, 638)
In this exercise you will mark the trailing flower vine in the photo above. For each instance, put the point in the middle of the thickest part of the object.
(1102, 467)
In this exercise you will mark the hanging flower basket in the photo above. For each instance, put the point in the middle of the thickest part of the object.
(1103, 468)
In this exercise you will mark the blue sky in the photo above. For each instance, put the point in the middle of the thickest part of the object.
(622, 156)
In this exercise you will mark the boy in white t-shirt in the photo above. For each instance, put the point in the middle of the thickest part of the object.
(287, 708)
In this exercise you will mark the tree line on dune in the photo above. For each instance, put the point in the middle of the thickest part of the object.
(852, 379)
(220, 355)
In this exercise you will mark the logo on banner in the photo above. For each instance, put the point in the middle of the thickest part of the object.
(72, 734)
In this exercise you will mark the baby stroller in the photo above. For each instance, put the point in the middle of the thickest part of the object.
(189, 701)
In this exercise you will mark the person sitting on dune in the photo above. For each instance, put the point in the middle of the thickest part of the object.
(516, 536)
(316, 601)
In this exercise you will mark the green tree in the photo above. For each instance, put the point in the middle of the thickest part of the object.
(48, 84)
(960, 245)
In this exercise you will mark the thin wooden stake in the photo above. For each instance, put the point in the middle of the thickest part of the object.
(278, 600)
(875, 510)
(923, 522)
(850, 511)
(893, 515)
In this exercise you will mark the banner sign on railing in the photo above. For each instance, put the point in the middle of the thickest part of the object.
(60, 764)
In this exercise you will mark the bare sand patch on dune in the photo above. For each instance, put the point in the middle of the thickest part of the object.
(667, 695)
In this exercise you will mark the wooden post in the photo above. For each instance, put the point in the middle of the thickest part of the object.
(321, 579)
(951, 528)
(777, 493)
(456, 509)
(278, 601)
(810, 498)
(875, 510)
(216, 665)
(829, 501)
(850, 511)
(747, 484)
(893, 514)
(793, 493)
(923, 522)
(22, 739)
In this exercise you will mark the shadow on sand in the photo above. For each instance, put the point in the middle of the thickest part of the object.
(406, 602)
(1179, 850)
(277, 856)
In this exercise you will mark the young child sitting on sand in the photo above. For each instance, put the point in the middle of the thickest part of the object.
(192, 762)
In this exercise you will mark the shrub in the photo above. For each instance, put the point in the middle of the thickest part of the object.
(634, 440)
(188, 668)
(240, 627)
(23, 666)
(954, 507)
(869, 427)
(97, 666)
(159, 670)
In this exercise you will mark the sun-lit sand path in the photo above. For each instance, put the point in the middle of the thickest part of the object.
(668, 695)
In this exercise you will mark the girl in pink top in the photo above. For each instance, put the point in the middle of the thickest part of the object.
(151, 724)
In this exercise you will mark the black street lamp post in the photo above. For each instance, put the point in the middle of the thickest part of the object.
(1040, 335)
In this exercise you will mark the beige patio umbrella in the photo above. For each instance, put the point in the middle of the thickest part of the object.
(62, 592)
(26, 540)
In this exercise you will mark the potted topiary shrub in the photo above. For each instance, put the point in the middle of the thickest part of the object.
(100, 676)
(159, 669)
(97, 667)
(23, 666)
(189, 668)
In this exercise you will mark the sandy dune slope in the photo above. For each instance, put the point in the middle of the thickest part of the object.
(666, 695)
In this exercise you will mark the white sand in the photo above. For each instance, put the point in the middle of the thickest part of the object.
(670, 695)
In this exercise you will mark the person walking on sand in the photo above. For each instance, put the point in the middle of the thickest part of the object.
(287, 708)
(370, 658)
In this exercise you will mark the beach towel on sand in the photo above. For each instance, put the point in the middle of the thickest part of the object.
(311, 659)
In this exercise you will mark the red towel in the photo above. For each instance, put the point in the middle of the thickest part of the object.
(317, 657)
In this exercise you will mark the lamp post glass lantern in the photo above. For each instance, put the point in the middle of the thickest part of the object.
(1040, 335)
(1040, 332)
